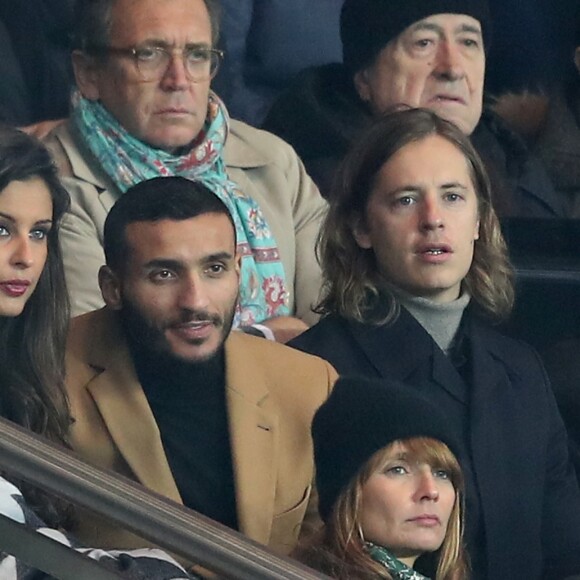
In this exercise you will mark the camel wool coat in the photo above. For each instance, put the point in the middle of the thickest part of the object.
(272, 393)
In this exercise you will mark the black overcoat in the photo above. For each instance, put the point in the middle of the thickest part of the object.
(521, 489)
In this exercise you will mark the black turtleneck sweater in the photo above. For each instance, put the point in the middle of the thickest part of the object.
(188, 402)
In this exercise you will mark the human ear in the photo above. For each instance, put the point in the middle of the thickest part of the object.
(86, 71)
(476, 233)
(361, 233)
(110, 288)
(362, 85)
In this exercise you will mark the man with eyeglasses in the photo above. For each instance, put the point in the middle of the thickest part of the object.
(144, 108)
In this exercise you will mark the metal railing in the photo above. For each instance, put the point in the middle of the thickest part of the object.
(151, 516)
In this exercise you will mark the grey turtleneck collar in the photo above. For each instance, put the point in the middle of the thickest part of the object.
(440, 320)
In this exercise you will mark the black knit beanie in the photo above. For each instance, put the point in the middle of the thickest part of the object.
(360, 417)
(367, 26)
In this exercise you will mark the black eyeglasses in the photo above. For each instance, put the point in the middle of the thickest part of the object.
(151, 62)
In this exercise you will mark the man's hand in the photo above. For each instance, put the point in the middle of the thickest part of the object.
(285, 328)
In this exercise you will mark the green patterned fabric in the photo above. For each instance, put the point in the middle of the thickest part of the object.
(398, 570)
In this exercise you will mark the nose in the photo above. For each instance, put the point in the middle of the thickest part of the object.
(426, 487)
(175, 77)
(431, 216)
(449, 62)
(22, 256)
(194, 295)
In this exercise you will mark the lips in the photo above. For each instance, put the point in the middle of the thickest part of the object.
(445, 98)
(173, 111)
(193, 330)
(434, 249)
(427, 520)
(434, 253)
(14, 288)
(198, 327)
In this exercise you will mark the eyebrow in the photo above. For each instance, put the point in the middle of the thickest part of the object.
(433, 27)
(176, 264)
(219, 256)
(7, 217)
(158, 42)
(14, 220)
(469, 28)
(454, 185)
(417, 188)
(410, 188)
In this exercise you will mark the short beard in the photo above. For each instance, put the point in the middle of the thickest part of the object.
(148, 338)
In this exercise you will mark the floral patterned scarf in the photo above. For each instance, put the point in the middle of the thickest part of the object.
(128, 161)
(398, 569)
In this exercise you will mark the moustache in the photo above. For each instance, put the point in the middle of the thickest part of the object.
(189, 317)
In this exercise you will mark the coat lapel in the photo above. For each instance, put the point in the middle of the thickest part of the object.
(394, 350)
(253, 436)
(404, 351)
(253, 424)
(448, 377)
(126, 412)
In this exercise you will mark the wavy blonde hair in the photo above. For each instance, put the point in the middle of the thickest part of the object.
(338, 549)
(352, 284)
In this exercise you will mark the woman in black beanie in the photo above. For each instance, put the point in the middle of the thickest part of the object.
(390, 487)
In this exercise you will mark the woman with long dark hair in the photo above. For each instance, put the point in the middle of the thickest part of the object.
(33, 299)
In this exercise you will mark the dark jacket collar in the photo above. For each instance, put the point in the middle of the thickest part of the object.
(415, 351)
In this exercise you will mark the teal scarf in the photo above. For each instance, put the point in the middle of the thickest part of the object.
(128, 161)
(398, 570)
